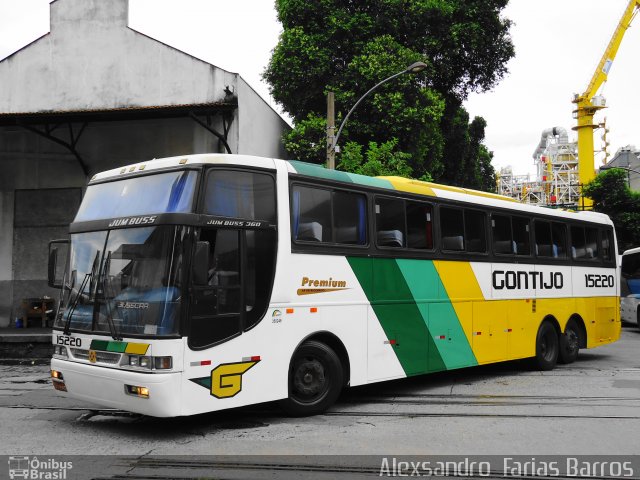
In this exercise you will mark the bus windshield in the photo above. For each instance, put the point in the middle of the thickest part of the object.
(125, 282)
(170, 192)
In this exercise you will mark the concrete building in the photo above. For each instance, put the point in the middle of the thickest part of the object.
(628, 157)
(91, 95)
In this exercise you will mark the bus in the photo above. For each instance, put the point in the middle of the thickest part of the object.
(200, 283)
(630, 286)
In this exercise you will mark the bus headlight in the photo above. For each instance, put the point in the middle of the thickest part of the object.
(146, 362)
(60, 351)
(136, 391)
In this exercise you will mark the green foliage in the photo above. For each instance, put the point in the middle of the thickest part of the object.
(347, 47)
(379, 160)
(611, 195)
(307, 141)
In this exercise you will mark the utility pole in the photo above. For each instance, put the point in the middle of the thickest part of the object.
(331, 129)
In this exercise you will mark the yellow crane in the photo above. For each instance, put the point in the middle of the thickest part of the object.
(588, 103)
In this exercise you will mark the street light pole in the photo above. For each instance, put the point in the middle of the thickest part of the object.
(333, 142)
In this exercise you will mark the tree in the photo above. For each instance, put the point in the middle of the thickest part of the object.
(347, 47)
(611, 195)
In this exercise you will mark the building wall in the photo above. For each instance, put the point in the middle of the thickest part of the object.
(628, 157)
(260, 125)
(42, 183)
(91, 60)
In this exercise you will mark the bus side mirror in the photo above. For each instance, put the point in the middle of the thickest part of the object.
(55, 275)
(201, 263)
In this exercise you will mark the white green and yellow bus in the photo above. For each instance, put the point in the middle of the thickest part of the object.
(205, 282)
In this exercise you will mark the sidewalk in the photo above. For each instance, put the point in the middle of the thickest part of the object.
(25, 345)
(25, 335)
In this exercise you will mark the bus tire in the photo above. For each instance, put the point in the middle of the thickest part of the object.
(547, 347)
(638, 316)
(315, 380)
(570, 342)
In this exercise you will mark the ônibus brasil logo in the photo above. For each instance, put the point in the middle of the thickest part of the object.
(34, 468)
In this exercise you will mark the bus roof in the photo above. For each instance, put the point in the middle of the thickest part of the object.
(185, 160)
(441, 191)
(390, 183)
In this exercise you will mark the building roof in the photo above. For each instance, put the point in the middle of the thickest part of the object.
(91, 61)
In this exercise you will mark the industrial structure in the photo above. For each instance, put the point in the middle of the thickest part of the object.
(556, 182)
(562, 167)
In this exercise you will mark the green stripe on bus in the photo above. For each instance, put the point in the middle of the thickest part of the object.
(438, 313)
(319, 171)
(119, 347)
(392, 301)
(99, 345)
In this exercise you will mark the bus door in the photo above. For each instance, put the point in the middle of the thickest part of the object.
(231, 285)
(217, 293)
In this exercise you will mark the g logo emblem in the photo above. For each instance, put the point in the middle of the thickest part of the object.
(92, 356)
(226, 379)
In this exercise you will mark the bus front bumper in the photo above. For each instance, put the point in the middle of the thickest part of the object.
(108, 387)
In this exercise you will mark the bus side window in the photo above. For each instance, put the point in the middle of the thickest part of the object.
(578, 246)
(607, 245)
(521, 237)
(591, 235)
(544, 243)
(350, 218)
(390, 223)
(311, 214)
(419, 225)
(475, 231)
(501, 230)
(559, 238)
(452, 229)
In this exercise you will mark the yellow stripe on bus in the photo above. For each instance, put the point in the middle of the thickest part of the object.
(137, 348)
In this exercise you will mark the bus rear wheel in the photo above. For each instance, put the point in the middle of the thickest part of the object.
(547, 347)
(570, 342)
(315, 380)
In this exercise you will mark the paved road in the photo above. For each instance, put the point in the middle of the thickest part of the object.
(589, 407)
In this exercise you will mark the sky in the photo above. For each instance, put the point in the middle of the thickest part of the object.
(558, 45)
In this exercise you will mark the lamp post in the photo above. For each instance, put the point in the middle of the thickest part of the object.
(332, 142)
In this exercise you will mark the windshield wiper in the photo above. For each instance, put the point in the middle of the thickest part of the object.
(103, 283)
(67, 325)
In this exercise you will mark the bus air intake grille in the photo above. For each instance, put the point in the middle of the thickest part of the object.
(101, 357)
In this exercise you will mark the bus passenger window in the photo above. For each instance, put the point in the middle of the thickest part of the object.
(311, 214)
(607, 245)
(390, 228)
(475, 231)
(349, 216)
(559, 238)
(544, 243)
(520, 227)
(501, 229)
(419, 225)
(591, 247)
(578, 246)
(452, 229)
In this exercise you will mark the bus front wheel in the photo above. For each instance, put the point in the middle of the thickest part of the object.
(315, 380)
(547, 347)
